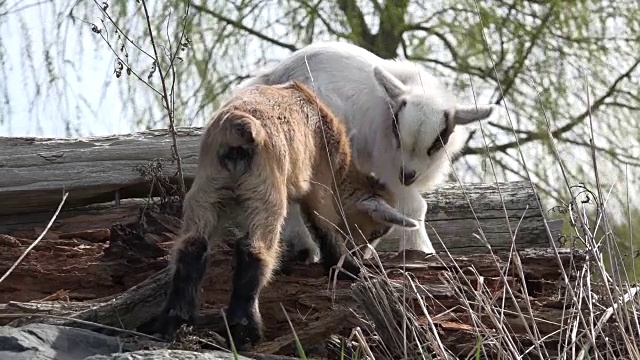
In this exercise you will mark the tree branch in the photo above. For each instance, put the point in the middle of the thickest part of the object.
(239, 25)
(392, 20)
(17, 8)
(165, 97)
(515, 68)
(360, 32)
(462, 66)
(563, 129)
(324, 21)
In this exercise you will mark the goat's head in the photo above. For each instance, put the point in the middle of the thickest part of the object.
(422, 123)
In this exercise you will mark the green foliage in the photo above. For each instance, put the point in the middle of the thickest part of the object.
(539, 59)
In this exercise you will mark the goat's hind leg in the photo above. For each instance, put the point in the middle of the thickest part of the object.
(189, 266)
(189, 262)
(256, 257)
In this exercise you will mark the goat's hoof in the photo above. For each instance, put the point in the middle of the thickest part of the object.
(245, 334)
(172, 317)
(286, 270)
(168, 325)
(285, 267)
(302, 256)
(245, 325)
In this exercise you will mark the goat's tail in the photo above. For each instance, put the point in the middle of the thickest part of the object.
(241, 129)
(236, 137)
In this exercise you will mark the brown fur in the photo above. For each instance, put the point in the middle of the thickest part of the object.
(265, 146)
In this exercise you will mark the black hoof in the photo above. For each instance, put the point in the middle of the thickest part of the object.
(245, 335)
(245, 326)
(289, 259)
(167, 326)
(173, 316)
(285, 268)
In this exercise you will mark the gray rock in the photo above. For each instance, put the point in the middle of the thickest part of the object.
(168, 355)
(50, 342)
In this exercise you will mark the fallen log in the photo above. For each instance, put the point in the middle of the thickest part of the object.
(119, 280)
(36, 170)
(104, 169)
(468, 218)
(90, 219)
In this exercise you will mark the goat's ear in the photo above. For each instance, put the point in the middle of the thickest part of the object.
(391, 85)
(384, 213)
(467, 114)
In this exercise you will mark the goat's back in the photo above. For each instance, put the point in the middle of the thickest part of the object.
(274, 131)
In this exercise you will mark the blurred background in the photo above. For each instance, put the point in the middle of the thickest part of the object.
(569, 68)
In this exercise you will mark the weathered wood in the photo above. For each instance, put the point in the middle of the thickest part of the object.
(34, 172)
(451, 221)
(90, 218)
(457, 232)
(383, 305)
(117, 277)
(91, 269)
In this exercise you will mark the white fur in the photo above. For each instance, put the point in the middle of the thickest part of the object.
(363, 90)
(297, 235)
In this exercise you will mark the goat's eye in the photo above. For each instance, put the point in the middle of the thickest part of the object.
(438, 144)
(444, 134)
(435, 147)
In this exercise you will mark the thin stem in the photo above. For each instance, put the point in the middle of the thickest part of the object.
(165, 97)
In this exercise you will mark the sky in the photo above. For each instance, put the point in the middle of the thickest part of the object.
(96, 64)
(91, 97)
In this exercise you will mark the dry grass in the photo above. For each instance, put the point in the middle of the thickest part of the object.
(600, 316)
(600, 311)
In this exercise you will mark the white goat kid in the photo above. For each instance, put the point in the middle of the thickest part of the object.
(400, 120)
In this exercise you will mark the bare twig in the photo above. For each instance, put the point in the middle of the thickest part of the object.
(165, 97)
(33, 244)
(239, 25)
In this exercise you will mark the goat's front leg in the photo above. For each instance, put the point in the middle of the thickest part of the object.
(299, 246)
(332, 247)
(414, 206)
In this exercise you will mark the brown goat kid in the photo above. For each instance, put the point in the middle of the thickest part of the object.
(266, 146)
